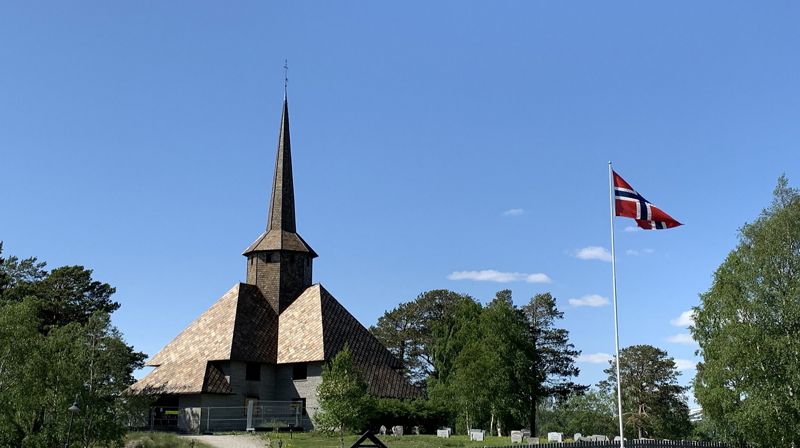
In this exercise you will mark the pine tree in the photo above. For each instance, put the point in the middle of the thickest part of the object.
(553, 360)
(652, 400)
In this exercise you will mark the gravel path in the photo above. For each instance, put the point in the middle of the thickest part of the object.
(243, 441)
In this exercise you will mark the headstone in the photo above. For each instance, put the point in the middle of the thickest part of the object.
(599, 438)
(383, 430)
(554, 437)
(443, 433)
(477, 435)
(526, 433)
(577, 436)
(449, 431)
(397, 430)
(415, 430)
(516, 436)
(618, 438)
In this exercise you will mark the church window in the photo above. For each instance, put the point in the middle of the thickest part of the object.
(300, 371)
(253, 372)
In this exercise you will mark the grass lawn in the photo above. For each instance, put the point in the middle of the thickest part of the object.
(159, 440)
(315, 440)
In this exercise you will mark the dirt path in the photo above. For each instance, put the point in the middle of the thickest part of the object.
(242, 441)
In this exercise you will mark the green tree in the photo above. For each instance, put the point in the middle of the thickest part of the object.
(553, 357)
(653, 402)
(489, 378)
(408, 331)
(344, 402)
(453, 345)
(41, 374)
(748, 328)
(67, 294)
(56, 343)
(590, 412)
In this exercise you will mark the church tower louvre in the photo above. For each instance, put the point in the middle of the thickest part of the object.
(279, 262)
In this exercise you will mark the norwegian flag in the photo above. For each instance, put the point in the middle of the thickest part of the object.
(631, 204)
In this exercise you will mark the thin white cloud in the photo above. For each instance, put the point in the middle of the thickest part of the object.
(632, 229)
(593, 253)
(636, 252)
(490, 275)
(514, 212)
(681, 338)
(595, 358)
(685, 364)
(592, 300)
(686, 319)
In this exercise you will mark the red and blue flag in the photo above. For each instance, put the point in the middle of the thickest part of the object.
(631, 204)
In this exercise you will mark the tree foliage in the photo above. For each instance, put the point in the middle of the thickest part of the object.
(344, 402)
(495, 363)
(748, 328)
(589, 412)
(408, 331)
(553, 357)
(57, 343)
(653, 403)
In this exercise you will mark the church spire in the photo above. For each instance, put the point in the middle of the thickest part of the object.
(279, 262)
(281, 208)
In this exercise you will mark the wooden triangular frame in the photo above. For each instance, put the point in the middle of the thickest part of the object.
(368, 435)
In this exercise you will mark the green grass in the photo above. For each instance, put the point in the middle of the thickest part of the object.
(316, 440)
(159, 440)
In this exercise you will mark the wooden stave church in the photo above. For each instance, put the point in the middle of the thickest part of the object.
(268, 338)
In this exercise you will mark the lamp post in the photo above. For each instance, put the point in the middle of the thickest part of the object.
(74, 409)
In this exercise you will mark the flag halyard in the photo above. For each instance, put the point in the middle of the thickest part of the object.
(629, 203)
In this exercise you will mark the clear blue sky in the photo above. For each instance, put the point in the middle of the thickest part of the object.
(137, 138)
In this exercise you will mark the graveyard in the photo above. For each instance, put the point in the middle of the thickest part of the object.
(317, 440)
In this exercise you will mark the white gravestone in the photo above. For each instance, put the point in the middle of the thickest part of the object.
(383, 430)
(397, 430)
(477, 435)
(516, 436)
(443, 433)
(554, 437)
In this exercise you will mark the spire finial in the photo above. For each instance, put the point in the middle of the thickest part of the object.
(285, 77)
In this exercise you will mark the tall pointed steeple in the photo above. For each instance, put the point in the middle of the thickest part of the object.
(279, 260)
(281, 208)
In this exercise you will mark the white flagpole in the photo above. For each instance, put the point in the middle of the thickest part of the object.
(614, 290)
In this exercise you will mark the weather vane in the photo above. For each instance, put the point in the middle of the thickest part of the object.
(285, 76)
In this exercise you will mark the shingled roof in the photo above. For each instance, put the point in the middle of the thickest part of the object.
(239, 326)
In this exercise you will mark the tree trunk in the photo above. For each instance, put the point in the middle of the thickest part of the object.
(532, 422)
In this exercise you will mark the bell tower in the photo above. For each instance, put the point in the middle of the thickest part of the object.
(279, 262)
